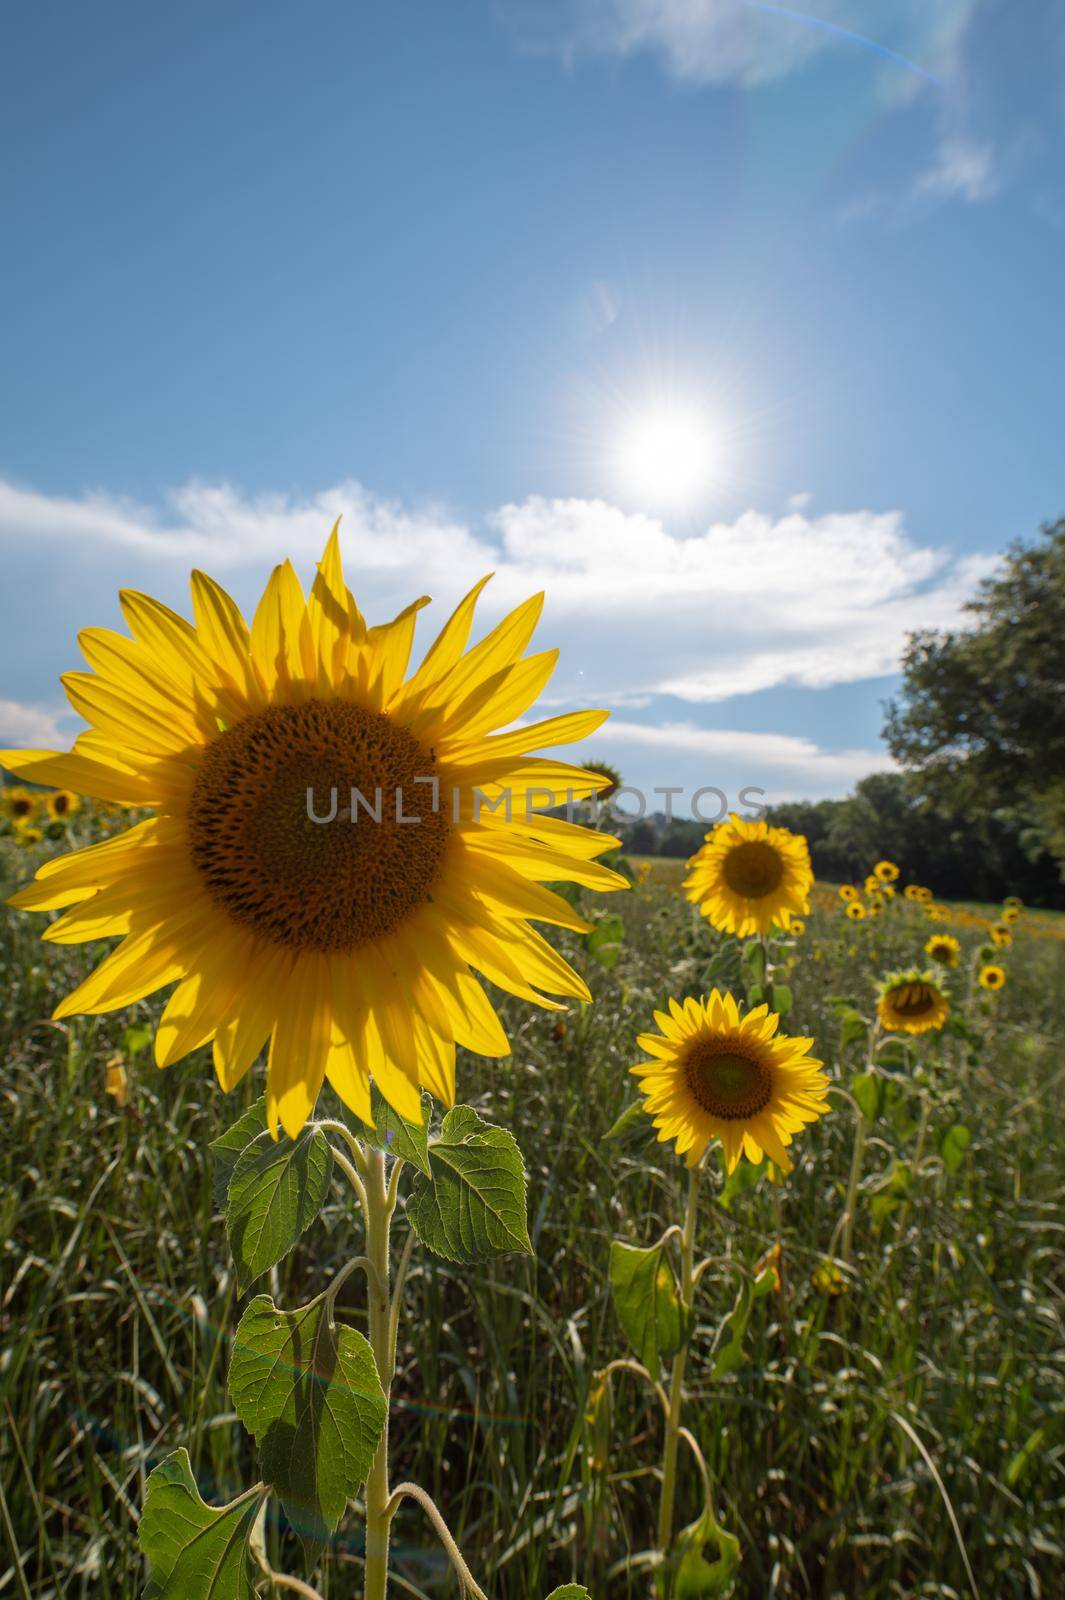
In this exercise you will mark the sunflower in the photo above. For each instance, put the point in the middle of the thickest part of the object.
(1014, 902)
(888, 891)
(924, 896)
(21, 804)
(61, 804)
(797, 927)
(749, 877)
(719, 1075)
(885, 871)
(28, 837)
(944, 948)
(872, 884)
(613, 779)
(342, 937)
(912, 1002)
(992, 977)
(856, 911)
(912, 891)
(1010, 914)
(1001, 936)
(847, 891)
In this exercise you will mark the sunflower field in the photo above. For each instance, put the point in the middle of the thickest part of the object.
(707, 1243)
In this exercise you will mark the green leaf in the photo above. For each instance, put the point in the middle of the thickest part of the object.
(474, 1204)
(195, 1551)
(730, 1352)
(605, 940)
(229, 1146)
(649, 1309)
(695, 1578)
(276, 1191)
(393, 1133)
(744, 1175)
(780, 999)
(308, 1390)
(866, 1090)
(632, 1115)
(953, 1146)
(854, 1026)
(756, 994)
(570, 1591)
(137, 1037)
(753, 961)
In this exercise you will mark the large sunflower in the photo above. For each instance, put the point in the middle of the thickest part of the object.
(749, 877)
(719, 1075)
(912, 1002)
(347, 944)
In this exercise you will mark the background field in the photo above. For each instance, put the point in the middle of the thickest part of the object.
(900, 1438)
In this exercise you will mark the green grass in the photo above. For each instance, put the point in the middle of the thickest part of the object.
(868, 1441)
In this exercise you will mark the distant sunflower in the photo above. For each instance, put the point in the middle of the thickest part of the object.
(62, 803)
(944, 948)
(749, 877)
(1010, 914)
(886, 871)
(872, 884)
(1001, 936)
(21, 804)
(346, 944)
(992, 977)
(797, 927)
(912, 891)
(856, 911)
(847, 891)
(719, 1075)
(924, 896)
(912, 1002)
(1014, 902)
(30, 836)
(888, 891)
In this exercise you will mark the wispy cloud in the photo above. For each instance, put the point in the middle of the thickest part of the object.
(30, 727)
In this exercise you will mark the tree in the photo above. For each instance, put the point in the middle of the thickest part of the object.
(980, 719)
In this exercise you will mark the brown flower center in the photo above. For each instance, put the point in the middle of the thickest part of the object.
(730, 1086)
(753, 870)
(914, 999)
(268, 856)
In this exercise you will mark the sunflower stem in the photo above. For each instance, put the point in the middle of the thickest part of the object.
(676, 1387)
(379, 1511)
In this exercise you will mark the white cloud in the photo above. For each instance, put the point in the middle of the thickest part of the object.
(961, 170)
(783, 756)
(29, 727)
(642, 611)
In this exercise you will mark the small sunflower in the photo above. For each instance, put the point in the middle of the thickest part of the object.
(912, 891)
(21, 804)
(1001, 936)
(856, 911)
(797, 927)
(28, 837)
(886, 871)
(872, 884)
(992, 977)
(888, 891)
(847, 891)
(719, 1075)
(749, 877)
(61, 804)
(285, 915)
(912, 1002)
(944, 949)
(1014, 903)
(924, 896)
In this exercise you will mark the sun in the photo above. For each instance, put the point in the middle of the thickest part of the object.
(667, 455)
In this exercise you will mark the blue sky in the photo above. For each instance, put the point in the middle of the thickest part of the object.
(433, 265)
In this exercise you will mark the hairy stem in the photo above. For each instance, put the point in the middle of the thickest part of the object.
(443, 1532)
(378, 1508)
(676, 1388)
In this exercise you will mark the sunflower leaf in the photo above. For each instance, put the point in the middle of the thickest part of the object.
(229, 1147)
(649, 1309)
(605, 940)
(275, 1193)
(730, 1353)
(395, 1135)
(308, 1389)
(473, 1206)
(632, 1116)
(195, 1551)
(693, 1577)
(953, 1146)
(570, 1591)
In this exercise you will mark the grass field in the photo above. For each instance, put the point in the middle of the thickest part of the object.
(900, 1437)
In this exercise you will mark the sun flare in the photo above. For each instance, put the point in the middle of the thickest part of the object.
(668, 455)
